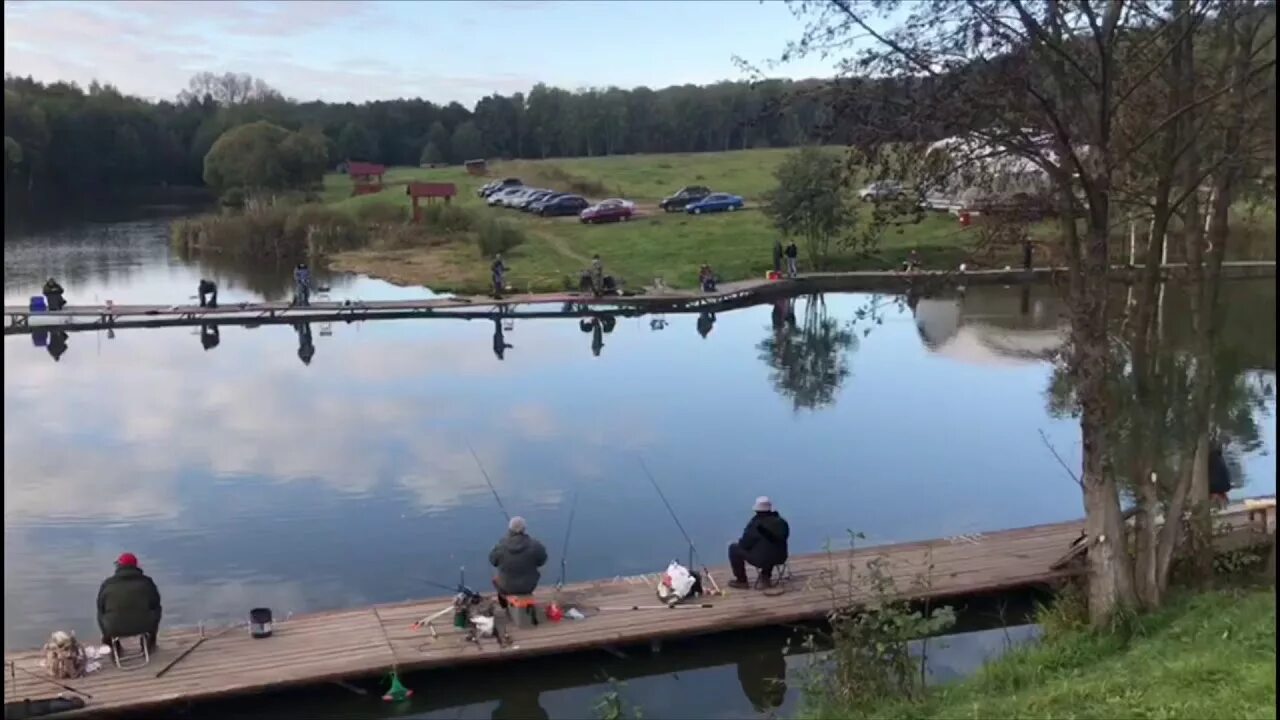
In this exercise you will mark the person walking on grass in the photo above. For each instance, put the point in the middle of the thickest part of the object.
(792, 252)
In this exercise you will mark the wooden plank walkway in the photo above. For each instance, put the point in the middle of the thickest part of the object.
(369, 641)
(20, 320)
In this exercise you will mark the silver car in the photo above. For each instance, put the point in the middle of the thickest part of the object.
(881, 191)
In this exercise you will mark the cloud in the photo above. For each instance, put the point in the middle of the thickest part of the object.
(307, 50)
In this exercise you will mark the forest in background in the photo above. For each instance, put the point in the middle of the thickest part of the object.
(65, 144)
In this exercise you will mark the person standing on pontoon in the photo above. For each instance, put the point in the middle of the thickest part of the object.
(302, 285)
(499, 275)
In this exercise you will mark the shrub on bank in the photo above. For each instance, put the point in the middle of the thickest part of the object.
(275, 232)
(495, 236)
(448, 218)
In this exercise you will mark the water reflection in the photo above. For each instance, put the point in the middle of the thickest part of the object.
(141, 441)
(210, 336)
(306, 347)
(763, 675)
(808, 363)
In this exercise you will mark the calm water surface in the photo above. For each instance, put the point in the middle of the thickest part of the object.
(242, 476)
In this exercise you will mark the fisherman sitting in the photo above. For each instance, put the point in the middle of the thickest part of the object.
(128, 603)
(517, 556)
(208, 291)
(763, 545)
(52, 292)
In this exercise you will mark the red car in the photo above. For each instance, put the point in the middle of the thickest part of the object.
(607, 211)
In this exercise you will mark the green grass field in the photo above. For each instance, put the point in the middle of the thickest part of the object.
(1211, 655)
(655, 245)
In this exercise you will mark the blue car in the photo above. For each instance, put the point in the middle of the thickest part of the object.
(715, 202)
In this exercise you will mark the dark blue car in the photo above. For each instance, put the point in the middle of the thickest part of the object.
(715, 202)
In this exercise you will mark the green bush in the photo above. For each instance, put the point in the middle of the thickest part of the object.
(316, 230)
(447, 218)
(495, 236)
(375, 213)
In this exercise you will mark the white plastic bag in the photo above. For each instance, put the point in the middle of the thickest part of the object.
(676, 583)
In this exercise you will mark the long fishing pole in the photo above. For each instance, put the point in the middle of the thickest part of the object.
(489, 482)
(564, 552)
(693, 551)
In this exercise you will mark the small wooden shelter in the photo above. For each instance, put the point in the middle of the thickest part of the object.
(477, 167)
(366, 177)
(430, 191)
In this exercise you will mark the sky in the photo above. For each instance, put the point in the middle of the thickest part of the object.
(441, 50)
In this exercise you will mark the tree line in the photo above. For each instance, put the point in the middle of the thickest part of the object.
(65, 143)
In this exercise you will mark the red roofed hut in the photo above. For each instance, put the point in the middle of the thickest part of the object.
(430, 191)
(367, 177)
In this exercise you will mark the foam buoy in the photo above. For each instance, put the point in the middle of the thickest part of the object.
(397, 691)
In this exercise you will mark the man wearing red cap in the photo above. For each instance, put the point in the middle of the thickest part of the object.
(128, 603)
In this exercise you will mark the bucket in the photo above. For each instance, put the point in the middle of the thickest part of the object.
(260, 622)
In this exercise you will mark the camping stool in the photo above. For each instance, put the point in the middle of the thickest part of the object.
(131, 660)
(781, 574)
(525, 603)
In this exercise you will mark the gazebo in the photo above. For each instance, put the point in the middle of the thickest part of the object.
(366, 177)
(430, 191)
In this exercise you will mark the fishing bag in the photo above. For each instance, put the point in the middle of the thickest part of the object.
(678, 583)
(64, 657)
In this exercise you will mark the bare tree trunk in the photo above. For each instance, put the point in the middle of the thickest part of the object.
(1271, 562)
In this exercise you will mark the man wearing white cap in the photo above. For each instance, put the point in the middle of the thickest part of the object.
(763, 544)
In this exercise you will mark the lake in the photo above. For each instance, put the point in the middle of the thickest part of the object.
(330, 464)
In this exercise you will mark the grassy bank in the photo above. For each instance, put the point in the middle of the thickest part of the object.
(655, 244)
(1210, 655)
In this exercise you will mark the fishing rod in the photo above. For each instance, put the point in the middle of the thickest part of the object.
(15, 666)
(693, 551)
(573, 509)
(489, 482)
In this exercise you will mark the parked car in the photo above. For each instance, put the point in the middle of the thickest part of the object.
(613, 210)
(619, 201)
(490, 188)
(536, 196)
(715, 202)
(499, 197)
(683, 197)
(881, 191)
(562, 205)
(536, 205)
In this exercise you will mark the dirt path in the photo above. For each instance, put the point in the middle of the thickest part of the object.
(561, 246)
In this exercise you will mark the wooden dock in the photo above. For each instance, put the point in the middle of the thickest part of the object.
(730, 296)
(367, 642)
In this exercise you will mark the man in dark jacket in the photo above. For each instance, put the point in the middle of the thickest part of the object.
(517, 558)
(128, 603)
(52, 292)
(763, 544)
